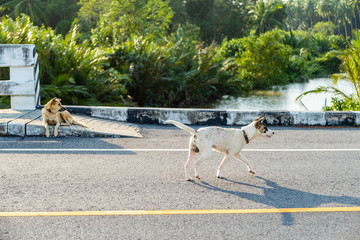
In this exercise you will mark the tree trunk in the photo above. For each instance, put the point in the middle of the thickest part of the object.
(355, 22)
(345, 28)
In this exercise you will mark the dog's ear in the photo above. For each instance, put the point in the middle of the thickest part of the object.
(48, 104)
(258, 122)
(259, 119)
(54, 100)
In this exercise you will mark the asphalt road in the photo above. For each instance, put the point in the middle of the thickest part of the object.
(297, 169)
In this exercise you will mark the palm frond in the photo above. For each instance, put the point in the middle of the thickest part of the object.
(325, 89)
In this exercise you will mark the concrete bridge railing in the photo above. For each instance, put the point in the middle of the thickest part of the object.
(23, 85)
(219, 116)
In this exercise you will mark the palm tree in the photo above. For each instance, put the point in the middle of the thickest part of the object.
(343, 14)
(294, 14)
(266, 14)
(325, 8)
(355, 8)
(309, 10)
(300, 14)
(350, 59)
(32, 8)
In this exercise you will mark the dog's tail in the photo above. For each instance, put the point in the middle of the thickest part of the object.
(182, 126)
(79, 123)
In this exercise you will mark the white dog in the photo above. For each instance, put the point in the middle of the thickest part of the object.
(228, 141)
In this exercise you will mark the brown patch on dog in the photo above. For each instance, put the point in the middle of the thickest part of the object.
(195, 149)
(260, 125)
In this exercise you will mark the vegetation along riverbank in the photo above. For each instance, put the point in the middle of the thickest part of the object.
(176, 53)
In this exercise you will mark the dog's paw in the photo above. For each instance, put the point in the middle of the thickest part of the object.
(220, 177)
(251, 171)
(198, 177)
(189, 179)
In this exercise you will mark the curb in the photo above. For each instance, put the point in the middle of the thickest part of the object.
(218, 117)
(29, 123)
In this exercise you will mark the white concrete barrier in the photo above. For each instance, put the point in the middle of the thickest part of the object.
(219, 116)
(23, 85)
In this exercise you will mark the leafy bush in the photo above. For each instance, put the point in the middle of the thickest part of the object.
(279, 57)
(127, 17)
(298, 69)
(330, 63)
(176, 72)
(340, 104)
(232, 48)
(325, 28)
(265, 60)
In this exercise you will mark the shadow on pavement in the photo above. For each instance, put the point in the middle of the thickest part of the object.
(68, 145)
(281, 197)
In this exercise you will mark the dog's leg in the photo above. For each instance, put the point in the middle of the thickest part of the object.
(56, 132)
(204, 155)
(187, 164)
(65, 118)
(223, 162)
(46, 125)
(241, 157)
(79, 123)
(65, 124)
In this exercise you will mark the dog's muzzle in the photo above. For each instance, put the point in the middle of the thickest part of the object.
(270, 133)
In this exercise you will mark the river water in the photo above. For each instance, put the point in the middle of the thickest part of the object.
(283, 97)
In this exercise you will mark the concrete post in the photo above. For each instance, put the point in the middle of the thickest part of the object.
(23, 85)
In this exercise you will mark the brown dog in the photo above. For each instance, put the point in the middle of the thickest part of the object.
(54, 113)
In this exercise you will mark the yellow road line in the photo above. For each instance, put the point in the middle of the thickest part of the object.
(177, 212)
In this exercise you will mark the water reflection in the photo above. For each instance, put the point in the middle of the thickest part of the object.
(283, 98)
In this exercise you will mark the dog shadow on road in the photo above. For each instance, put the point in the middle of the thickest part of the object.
(281, 197)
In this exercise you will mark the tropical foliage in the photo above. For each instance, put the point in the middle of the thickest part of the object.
(265, 60)
(127, 17)
(56, 14)
(32, 8)
(67, 69)
(216, 19)
(177, 53)
(350, 63)
(177, 73)
(267, 15)
(280, 57)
